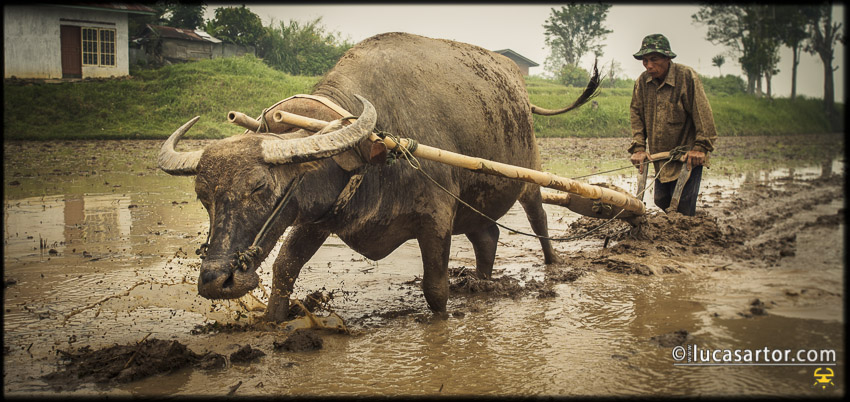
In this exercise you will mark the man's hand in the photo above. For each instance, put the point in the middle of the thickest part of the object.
(637, 160)
(694, 158)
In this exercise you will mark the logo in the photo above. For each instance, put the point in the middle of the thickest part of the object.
(823, 378)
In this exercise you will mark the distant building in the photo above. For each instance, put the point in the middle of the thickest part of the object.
(84, 40)
(161, 44)
(519, 59)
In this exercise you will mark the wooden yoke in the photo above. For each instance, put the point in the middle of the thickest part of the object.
(349, 161)
(598, 193)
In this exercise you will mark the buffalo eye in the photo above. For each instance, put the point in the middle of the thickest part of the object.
(258, 187)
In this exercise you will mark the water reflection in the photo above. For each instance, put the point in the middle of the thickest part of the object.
(34, 226)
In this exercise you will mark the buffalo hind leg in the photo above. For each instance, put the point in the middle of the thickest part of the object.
(484, 244)
(532, 203)
(435, 276)
(298, 247)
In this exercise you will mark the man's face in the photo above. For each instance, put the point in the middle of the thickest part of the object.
(656, 64)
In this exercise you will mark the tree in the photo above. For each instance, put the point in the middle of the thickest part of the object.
(717, 61)
(824, 35)
(186, 16)
(726, 26)
(793, 23)
(169, 13)
(237, 25)
(572, 76)
(303, 49)
(749, 31)
(572, 32)
(613, 74)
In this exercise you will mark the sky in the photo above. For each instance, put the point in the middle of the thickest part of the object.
(520, 28)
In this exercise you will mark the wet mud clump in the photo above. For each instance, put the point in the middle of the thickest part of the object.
(300, 340)
(755, 227)
(675, 338)
(757, 308)
(466, 281)
(126, 363)
(699, 234)
(246, 354)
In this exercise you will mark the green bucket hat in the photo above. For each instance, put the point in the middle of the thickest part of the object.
(655, 43)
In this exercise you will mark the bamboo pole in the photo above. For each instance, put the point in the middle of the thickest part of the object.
(298, 120)
(243, 120)
(544, 179)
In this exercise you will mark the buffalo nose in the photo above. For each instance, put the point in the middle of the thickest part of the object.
(209, 276)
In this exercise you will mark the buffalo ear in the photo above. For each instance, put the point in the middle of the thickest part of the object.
(378, 154)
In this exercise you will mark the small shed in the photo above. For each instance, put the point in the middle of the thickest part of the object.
(74, 40)
(520, 60)
(161, 44)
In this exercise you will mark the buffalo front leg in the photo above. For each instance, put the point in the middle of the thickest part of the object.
(484, 244)
(298, 247)
(435, 276)
(532, 203)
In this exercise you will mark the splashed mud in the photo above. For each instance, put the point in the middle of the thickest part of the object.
(97, 255)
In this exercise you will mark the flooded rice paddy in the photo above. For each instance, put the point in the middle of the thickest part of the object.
(99, 251)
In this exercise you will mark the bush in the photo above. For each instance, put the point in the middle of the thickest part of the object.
(303, 48)
(573, 76)
(723, 86)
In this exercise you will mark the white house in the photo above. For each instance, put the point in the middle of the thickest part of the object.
(84, 40)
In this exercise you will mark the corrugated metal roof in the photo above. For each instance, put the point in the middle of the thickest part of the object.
(207, 36)
(512, 54)
(133, 8)
(185, 34)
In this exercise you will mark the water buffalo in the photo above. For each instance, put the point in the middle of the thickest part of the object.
(442, 93)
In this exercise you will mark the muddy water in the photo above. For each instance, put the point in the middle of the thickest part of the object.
(99, 252)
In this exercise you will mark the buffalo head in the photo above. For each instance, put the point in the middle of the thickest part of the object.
(249, 185)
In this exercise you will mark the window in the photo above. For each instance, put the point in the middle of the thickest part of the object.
(107, 47)
(98, 47)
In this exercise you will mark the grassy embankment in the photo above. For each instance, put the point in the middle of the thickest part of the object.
(155, 102)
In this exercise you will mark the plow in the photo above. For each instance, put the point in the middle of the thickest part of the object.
(599, 200)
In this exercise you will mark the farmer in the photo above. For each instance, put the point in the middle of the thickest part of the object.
(670, 112)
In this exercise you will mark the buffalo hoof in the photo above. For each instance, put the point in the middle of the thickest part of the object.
(553, 259)
(441, 315)
(277, 312)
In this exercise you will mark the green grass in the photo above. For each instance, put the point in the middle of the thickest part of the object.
(150, 105)
(735, 115)
(153, 103)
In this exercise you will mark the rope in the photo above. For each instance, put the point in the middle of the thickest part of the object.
(264, 125)
(246, 258)
(415, 164)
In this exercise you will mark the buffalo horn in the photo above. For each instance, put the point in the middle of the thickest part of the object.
(179, 163)
(321, 145)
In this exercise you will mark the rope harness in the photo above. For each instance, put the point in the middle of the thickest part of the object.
(245, 259)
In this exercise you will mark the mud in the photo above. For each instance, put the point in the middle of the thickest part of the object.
(676, 338)
(300, 340)
(246, 354)
(126, 363)
(761, 265)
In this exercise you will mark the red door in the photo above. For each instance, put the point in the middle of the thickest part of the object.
(72, 54)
